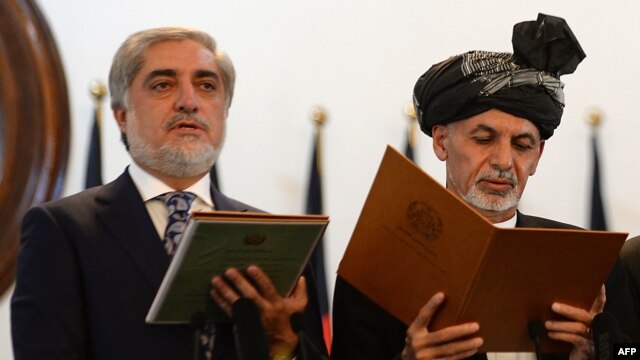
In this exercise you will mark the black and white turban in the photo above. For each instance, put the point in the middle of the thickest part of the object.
(525, 84)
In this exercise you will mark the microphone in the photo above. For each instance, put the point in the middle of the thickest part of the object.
(606, 332)
(306, 349)
(296, 320)
(536, 332)
(296, 325)
(251, 340)
(198, 321)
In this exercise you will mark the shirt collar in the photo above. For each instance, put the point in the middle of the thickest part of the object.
(151, 187)
(511, 223)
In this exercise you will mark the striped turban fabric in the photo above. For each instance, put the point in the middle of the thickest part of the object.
(525, 83)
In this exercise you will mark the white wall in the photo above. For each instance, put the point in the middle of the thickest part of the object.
(360, 59)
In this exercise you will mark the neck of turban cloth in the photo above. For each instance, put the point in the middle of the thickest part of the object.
(525, 84)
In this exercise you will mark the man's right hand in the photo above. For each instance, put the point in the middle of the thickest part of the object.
(450, 342)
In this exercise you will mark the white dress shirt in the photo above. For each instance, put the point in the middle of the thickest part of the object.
(150, 188)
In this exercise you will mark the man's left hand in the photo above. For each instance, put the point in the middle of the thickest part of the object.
(275, 310)
(577, 330)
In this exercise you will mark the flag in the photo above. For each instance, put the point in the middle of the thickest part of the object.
(94, 162)
(408, 147)
(597, 220)
(314, 206)
(410, 140)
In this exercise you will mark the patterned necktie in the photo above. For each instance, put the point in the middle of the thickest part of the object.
(178, 204)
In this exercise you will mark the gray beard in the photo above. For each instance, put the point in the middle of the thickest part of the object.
(174, 160)
(481, 200)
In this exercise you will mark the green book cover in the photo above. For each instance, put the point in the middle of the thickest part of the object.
(280, 245)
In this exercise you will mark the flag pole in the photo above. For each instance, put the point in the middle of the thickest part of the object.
(318, 115)
(594, 118)
(314, 206)
(98, 91)
(410, 112)
(94, 162)
(597, 220)
(410, 146)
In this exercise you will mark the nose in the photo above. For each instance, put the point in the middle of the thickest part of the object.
(187, 100)
(501, 156)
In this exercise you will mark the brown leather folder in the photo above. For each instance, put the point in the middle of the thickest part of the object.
(415, 238)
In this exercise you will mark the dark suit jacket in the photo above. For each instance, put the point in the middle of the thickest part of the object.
(630, 255)
(363, 330)
(88, 268)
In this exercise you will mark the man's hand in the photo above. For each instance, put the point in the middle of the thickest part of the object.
(577, 330)
(444, 343)
(275, 310)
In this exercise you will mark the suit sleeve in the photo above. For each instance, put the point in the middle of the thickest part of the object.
(623, 302)
(362, 329)
(47, 306)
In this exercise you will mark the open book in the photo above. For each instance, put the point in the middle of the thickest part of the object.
(415, 238)
(280, 245)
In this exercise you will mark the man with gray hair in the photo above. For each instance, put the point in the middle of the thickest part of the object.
(89, 264)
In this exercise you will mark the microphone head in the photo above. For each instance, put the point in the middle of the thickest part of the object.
(198, 321)
(296, 321)
(536, 329)
(244, 308)
(606, 333)
(606, 324)
(251, 340)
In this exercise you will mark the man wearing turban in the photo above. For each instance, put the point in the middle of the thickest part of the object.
(489, 115)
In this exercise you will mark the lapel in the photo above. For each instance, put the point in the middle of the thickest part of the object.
(522, 220)
(125, 217)
(224, 203)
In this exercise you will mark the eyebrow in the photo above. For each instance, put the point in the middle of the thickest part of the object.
(157, 73)
(172, 73)
(492, 131)
(527, 136)
(482, 127)
(207, 73)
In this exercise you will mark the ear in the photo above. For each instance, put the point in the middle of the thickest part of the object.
(540, 150)
(440, 135)
(120, 114)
